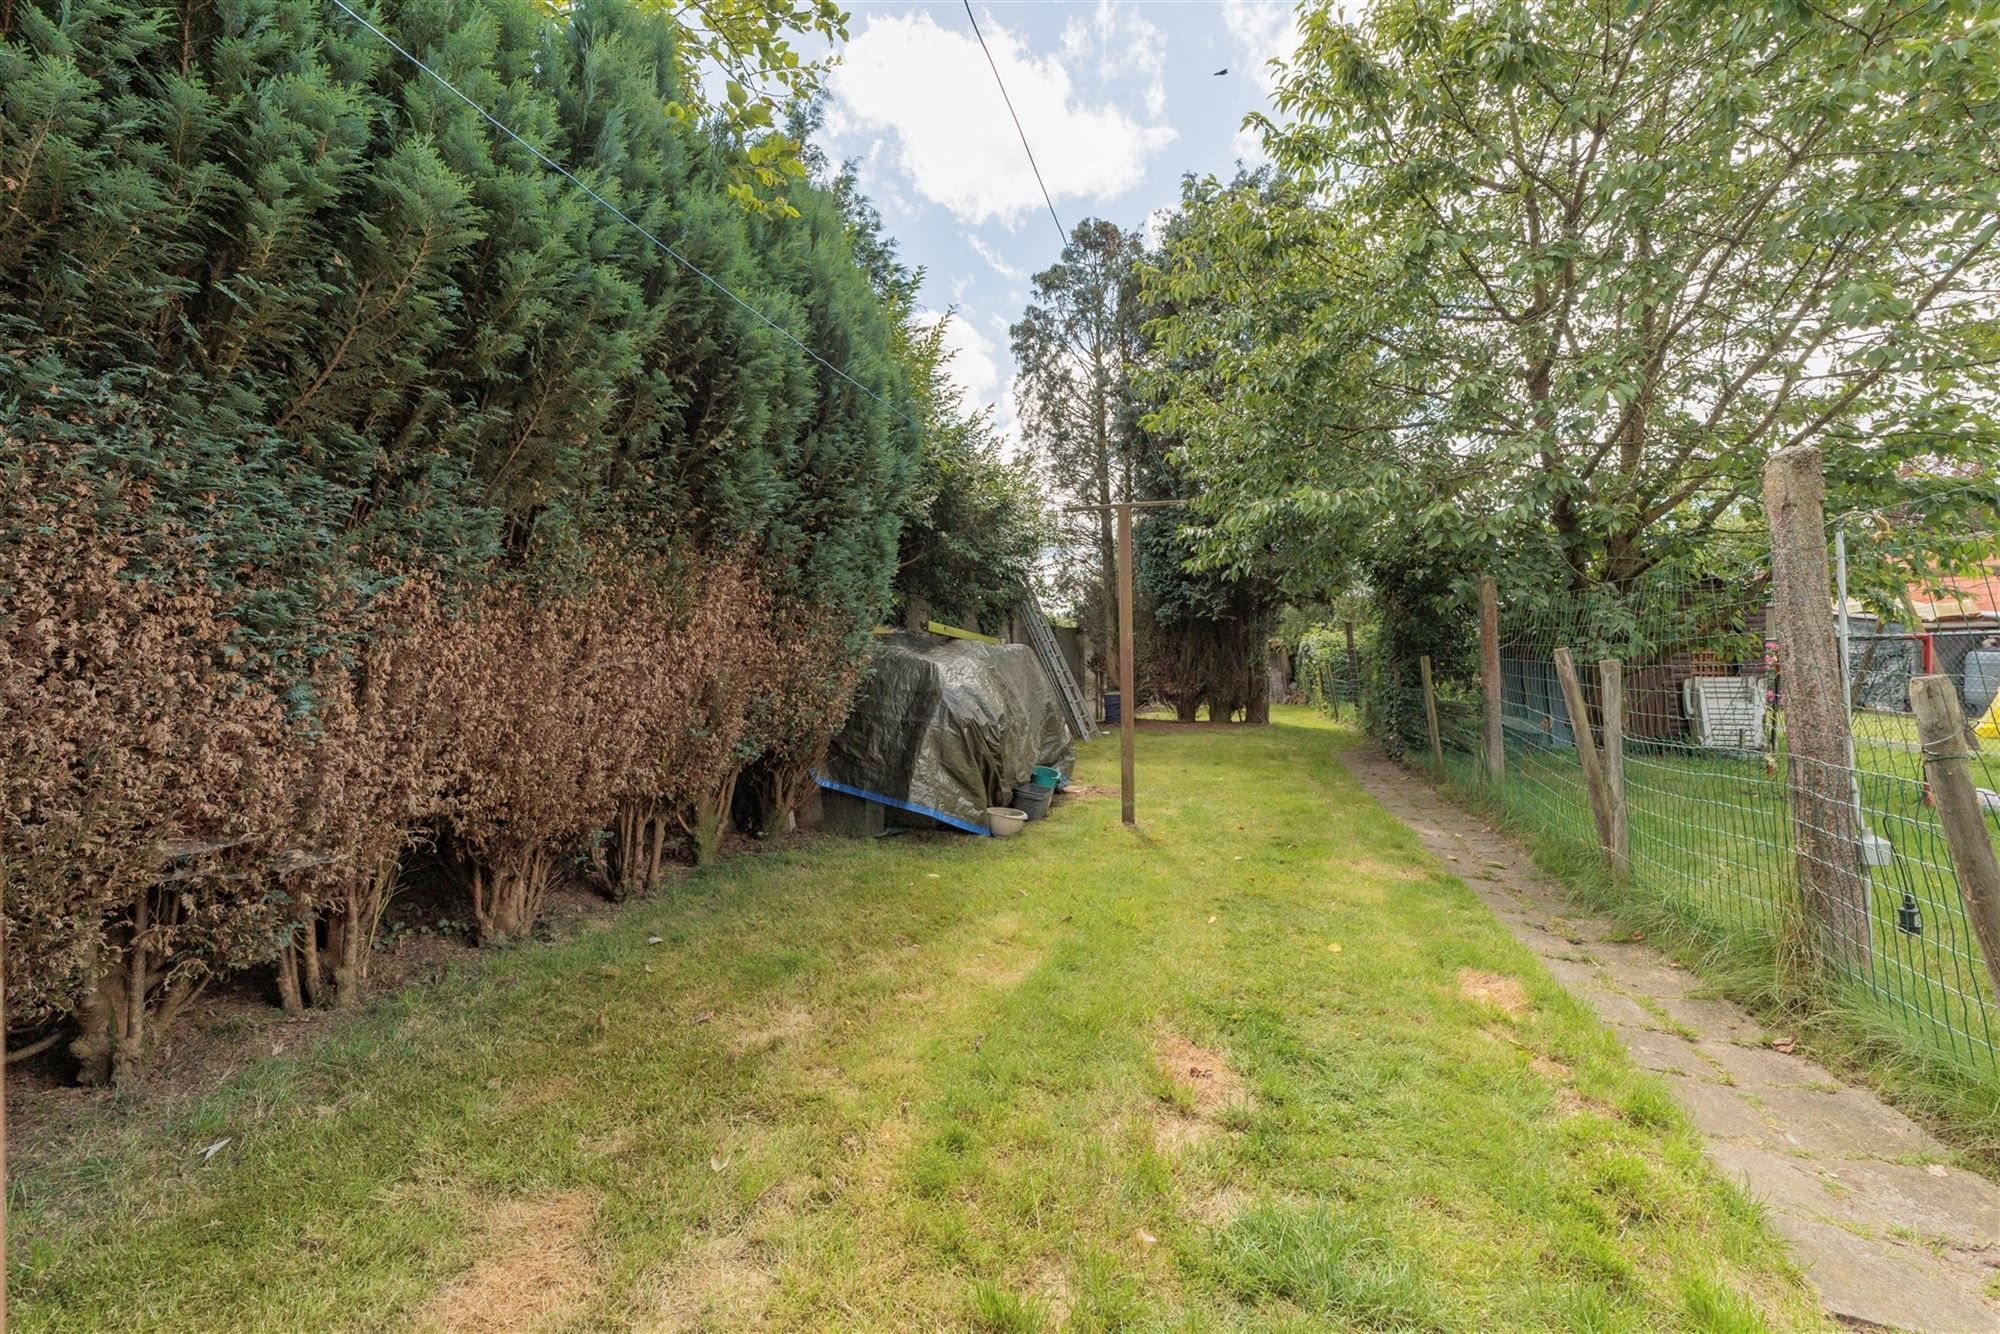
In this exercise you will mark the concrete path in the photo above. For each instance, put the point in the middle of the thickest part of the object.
(1889, 1231)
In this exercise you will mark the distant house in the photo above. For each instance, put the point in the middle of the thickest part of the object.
(1960, 614)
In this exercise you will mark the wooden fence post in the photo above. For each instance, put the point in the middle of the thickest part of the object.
(1353, 664)
(1586, 750)
(1948, 766)
(1611, 699)
(1431, 711)
(1489, 679)
(1826, 842)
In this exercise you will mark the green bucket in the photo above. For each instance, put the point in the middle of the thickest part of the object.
(1047, 777)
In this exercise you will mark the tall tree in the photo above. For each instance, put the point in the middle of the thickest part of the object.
(1558, 278)
(1078, 346)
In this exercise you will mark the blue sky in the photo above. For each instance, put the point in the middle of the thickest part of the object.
(1118, 100)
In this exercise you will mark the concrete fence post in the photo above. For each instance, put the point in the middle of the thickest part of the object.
(1431, 711)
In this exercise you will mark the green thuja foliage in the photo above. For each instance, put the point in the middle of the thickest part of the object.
(335, 319)
(369, 477)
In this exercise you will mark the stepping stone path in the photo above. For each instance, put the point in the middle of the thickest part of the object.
(1892, 1234)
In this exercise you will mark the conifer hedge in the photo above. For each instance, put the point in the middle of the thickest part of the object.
(367, 486)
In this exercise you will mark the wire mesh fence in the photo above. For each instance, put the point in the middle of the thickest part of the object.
(1712, 795)
(1326, 671)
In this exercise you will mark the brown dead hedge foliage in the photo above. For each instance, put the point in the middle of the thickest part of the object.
(171, 815)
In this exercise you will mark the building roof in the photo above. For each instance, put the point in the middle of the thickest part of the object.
(1971, 598)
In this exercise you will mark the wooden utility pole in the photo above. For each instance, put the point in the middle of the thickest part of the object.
(1489, 679)
(1948, 767)
(1128, 702)
(1826, 840)
(1128, 706)
(3, 1131)
(1586, 753)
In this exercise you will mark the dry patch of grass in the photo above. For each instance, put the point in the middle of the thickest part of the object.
(1548, 1067)
(1202, 1073)
(1000, 966)
(719, 1282)
(793, 1021)
(1375, 868)
(1496, 990)
(533, 1271)
(1207, 1093)
(525, 1097)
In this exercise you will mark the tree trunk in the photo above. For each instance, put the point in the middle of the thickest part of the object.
(309, 961)
(96, 1021)
(287, 967)
(709, 817)
(129, 1038)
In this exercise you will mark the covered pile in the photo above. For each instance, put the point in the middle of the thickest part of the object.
(947, 727)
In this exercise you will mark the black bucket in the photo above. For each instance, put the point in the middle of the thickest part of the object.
(1033, 800)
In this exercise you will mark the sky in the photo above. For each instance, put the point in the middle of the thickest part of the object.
(1118, 99)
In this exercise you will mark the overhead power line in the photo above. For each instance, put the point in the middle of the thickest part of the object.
(618, 212)
(1032, 165)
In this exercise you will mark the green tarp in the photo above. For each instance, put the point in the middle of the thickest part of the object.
(947, 727)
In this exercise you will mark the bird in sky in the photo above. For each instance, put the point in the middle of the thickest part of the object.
(1224, 70)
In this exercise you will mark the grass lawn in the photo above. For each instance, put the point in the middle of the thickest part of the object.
(1262, 1064)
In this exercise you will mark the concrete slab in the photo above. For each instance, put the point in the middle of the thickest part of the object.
(1761, 1067)
(1886, 1284)
(1720, 1112)
(1939, 1202)
(1664, 1053)
(1845, 1121)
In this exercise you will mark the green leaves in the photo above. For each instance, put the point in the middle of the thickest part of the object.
(1562, 278)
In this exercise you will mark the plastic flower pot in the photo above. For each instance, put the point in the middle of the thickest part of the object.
(1004, 821)
(1033, 801)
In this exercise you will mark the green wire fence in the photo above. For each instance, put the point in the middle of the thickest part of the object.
(1709, 785)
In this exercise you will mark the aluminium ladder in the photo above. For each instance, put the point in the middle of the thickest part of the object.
(1043, 641)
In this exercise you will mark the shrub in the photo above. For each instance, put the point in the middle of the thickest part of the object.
(147, 775)
(372, 779)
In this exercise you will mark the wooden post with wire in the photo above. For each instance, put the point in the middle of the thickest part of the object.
(1578, 709)
(1611, 699)
(1489, 680)
(1831, 914)
(1353, 666)
(1431, 712)
(1128, 700)
(1128, 704)
(1948, 767)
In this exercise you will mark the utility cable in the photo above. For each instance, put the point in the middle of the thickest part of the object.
(617, 212)
(1032, 165)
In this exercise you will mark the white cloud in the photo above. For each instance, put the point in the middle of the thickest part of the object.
(1247, 147)
(929, 89)
(1155, 225)
(992, 257)
(1125, 43)
(1265, 30)
(981, 365)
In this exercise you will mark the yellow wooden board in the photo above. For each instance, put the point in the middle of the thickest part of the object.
(940, 628)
